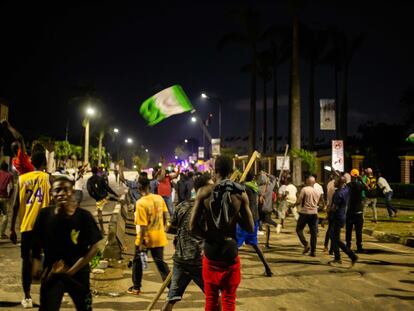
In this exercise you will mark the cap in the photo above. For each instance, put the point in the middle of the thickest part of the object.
(354, 172)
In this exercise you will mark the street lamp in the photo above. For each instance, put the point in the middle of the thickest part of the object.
(116, 130)
(217, 100)
(129, 140)
(193, 119)
(146, 150)
(186, 140)
(90, 112)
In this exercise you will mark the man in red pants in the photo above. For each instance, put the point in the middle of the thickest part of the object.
(217, 210)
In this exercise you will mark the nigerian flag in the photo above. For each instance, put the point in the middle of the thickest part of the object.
(164, 104)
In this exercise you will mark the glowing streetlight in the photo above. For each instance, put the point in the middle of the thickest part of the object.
(204, 95)
(176, 157)
(90, 111)
(217, 100)
(146, 150)
(193, 119)
(129, 140)
(116, 130)
(186, 140)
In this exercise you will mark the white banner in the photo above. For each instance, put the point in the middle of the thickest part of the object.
(338, 155)
(328, 108)
(201, 152)
(280, 163)
(215, 147)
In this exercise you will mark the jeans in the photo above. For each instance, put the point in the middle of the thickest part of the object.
(373, 203)
(338, 244)
(328, 234)
(27, 256)
(4, 210)
(51, 291)
(357, 221)
(181, 277)
(391, 209)
(170, 206)
(157, 254)
(312, 221)
(220, 276)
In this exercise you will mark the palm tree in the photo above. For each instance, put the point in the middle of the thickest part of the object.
(350, 46)
(249, 38)
(313, 48)
(266, 75)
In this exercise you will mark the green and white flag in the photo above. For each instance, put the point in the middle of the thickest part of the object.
(164, 104)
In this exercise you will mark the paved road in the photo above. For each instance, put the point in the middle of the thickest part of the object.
(383, 279)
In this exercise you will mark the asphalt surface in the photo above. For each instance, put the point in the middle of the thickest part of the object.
(382, 279)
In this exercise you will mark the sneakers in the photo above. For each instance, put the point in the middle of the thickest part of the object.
(27, 303)
(133, 291)
(312, 254)
(278, 227)
(268, 273)
(354, 260)
(306, 249)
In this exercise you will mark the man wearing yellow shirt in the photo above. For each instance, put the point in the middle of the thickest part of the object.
(150, 216)
(34, 194)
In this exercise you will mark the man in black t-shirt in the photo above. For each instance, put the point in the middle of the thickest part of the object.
(69, 237)
(354, 214)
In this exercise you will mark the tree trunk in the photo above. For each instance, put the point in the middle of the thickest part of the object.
(264, 131)
(336, 101)
(312, 104)
(252, 121)
(101, 136)
(344, 105)
(275, 95)
(295, 128)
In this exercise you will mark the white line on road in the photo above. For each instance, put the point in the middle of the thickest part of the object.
(387, 247)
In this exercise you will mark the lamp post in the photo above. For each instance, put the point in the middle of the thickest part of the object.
(219, 101)
(90, 112)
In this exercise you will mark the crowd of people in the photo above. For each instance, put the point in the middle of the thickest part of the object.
(210, 214)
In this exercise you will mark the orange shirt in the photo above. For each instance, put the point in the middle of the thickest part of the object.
(22, 163)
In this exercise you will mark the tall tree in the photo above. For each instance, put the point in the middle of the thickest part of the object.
(266, 75)
(249, 37)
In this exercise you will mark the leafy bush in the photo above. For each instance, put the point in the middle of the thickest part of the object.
(306, 156)
(403, 191)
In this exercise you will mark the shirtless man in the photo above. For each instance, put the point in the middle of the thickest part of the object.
(217, 210)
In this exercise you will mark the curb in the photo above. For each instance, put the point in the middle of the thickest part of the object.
(391, 238)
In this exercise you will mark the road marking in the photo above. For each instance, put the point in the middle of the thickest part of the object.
(387, 247)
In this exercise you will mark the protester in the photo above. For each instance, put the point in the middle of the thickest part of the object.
(100, 191)
(154, 181)
(251, 238)
(34, 194)
(151, 214)
(337, 217)
(164, 188)
(371, 193)
(287, 194)
(188, 249)
(79, 183)
(308, 215)
(69, 237)
(132, 185)
(330, 190)
(387, 191)
(6, 193)
(217, 210)
(266, 183)
(354, 214)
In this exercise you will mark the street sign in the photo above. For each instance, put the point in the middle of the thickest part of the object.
(280, 163)
(201, 152)
(327, 114)
(338, 155)
(215, 146)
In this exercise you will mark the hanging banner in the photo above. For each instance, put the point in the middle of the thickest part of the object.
(201, 152)
(215, 147)
(338, 155)
(328, 108)
(281, 161)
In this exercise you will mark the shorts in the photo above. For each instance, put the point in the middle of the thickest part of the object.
(100, 204)
(246, 237)
(181, 277)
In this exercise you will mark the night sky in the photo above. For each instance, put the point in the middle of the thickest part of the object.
(129, 52)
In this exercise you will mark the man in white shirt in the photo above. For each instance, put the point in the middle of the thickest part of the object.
(308, 215)
(387, 191)
(79, 182)
(287, 196)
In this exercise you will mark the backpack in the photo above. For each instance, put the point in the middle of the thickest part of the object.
(372, 191)
(220, 202)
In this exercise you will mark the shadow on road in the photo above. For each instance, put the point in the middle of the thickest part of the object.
(5, 304)
(395, 296)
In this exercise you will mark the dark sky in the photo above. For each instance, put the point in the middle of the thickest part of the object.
(130, 51)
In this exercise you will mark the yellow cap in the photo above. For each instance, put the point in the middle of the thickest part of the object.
(354, 172)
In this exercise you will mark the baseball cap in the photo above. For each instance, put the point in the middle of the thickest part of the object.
(354, 172)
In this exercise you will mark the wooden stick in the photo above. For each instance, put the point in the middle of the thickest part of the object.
(253, 158)
(160, 291)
